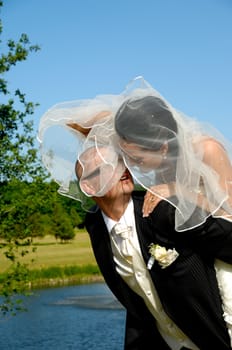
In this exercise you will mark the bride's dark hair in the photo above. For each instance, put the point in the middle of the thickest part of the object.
(148, 122)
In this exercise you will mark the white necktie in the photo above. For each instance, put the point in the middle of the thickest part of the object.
(121, 234)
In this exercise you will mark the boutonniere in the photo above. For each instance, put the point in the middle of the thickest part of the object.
(163, 256)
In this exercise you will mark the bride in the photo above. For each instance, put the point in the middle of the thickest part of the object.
(182, 161)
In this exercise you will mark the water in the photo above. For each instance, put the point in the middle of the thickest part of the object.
(81, 317)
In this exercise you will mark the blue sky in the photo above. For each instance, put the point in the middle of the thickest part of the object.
(183, 48)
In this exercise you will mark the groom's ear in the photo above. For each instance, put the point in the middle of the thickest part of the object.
(78, 169)
(84, 184)
(87, 188)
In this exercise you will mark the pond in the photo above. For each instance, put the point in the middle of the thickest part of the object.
(79, 317)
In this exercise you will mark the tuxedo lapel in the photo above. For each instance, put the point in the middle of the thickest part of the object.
(145, 234)
(100, 241)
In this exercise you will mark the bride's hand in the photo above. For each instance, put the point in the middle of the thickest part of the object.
(154, 195)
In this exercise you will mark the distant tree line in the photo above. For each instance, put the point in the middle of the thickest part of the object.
(36, 209)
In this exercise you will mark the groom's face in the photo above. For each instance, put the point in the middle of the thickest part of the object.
(98, 178)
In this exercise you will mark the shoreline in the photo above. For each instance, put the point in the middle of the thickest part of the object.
(58, 282)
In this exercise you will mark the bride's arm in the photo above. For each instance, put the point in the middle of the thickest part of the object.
(155, 194)
(215, 156)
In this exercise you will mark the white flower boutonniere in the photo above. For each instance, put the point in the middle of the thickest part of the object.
(165, 257)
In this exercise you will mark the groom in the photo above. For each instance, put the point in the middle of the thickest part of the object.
(176, 307)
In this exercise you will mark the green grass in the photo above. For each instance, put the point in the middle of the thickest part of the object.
(59, 263)
(50, 252)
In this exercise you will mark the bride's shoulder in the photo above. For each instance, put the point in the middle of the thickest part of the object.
(208, 145)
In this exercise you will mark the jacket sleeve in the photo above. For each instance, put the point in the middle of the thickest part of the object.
(141, 335)
(212, 239)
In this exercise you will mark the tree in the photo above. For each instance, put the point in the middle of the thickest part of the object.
(17, 153)
(18, 162)
(62, 226)
(29, 205)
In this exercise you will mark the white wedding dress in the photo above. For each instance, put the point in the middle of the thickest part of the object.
(224, 278)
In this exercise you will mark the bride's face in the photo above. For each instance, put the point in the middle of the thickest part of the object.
(146, 159)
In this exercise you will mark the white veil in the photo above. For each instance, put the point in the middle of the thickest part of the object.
(69, 129)
(65, 133)
(147, 120)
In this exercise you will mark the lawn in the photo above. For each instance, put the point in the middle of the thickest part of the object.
(50, 252)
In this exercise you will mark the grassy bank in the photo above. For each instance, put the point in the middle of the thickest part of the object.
(54, 263)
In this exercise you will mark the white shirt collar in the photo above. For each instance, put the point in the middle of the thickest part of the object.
(127, 218)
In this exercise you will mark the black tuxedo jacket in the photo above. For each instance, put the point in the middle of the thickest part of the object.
(187, 288)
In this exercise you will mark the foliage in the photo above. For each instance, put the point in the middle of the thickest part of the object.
(29, 205)
(35, 209)
(18, 161)
(17, 153)
(14, 283)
